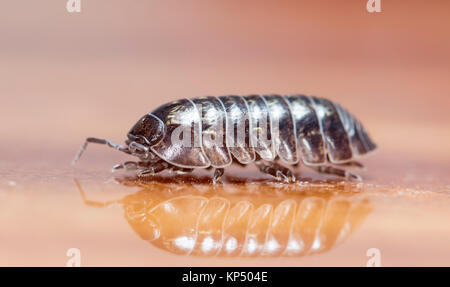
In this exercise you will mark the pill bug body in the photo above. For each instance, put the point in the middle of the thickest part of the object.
(214, 132)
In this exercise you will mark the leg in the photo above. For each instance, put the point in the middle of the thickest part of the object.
(339, 172)
(218, 174)
(129, 165)
(100, 141)
(179, 170)
(152, 170)
(276, 170)
(352, 164)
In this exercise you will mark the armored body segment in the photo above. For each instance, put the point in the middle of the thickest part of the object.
(336, 138)
(282, 128)
(309, 136)
(238, 128)
(359, 140)
(260, 132)
(181, 145)
(213, 116)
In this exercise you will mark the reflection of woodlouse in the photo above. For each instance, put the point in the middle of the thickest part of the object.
(271, 127)
(242, 220)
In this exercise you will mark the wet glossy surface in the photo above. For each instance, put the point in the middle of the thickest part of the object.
(248, 220)
(242, 219)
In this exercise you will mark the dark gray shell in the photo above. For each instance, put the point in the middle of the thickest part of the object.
(238, 128)
(336, 138)
(213, 120)
(313, 129)
(181, 115)
(310, 139)
(282, 128)
(261, 135)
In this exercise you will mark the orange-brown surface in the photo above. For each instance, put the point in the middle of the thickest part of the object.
(67, 76)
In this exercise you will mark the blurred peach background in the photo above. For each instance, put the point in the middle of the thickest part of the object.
(66, 76)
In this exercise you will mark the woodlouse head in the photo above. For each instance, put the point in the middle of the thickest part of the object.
(149, 130)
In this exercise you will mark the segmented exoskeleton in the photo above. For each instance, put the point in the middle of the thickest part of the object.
(244, 220)
(214, 132)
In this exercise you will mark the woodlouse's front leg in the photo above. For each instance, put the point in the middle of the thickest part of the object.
(276, 170)
(180, 170)
(352, 164)
(128, 165)
(152, 169)
(218, 174)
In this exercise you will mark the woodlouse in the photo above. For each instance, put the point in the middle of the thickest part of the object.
(214, 132)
